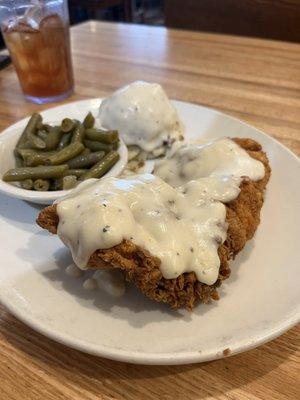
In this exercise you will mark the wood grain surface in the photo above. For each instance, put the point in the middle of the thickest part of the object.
(255, 80)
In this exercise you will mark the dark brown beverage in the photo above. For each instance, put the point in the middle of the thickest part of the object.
(42, 58)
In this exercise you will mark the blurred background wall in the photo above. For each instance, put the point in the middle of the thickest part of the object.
(138, 11)
(273, 19)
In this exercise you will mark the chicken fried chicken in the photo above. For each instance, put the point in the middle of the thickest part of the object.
(143, 268)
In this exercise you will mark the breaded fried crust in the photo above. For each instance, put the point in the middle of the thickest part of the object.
(142, 268)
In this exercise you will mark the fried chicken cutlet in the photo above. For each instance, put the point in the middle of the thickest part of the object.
(143, 268)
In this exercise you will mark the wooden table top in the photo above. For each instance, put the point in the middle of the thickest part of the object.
(255, 80)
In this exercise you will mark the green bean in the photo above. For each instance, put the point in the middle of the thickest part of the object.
(36, 142)
(78, 133)
(42, 185)
(67, 125)
(69, 182)
(25, 145)
(102, 166)
(24, 153)
(41, 172)
(78, 172)
(53, 138)
(97, 146)
(39, 125)
(56, 157)
(70, 151)
(27, 184)
(83, 161)
(31, 126)
(42, 134)
(64, 141)
(102, 136)
(34, 159)
(89, 121)
(116, 145)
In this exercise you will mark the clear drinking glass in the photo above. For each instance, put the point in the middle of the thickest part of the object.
(37, 36)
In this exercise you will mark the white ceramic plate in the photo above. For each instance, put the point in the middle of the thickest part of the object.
(8, 141)
(259, 301)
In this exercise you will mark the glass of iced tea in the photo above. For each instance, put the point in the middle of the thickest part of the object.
(37, 36)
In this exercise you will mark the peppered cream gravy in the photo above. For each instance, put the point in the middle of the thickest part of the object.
(182, 226)
(221, 157)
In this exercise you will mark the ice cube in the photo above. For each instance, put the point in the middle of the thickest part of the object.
(24, 27)
(33, 16)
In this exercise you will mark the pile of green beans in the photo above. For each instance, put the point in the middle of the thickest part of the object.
(59, 157)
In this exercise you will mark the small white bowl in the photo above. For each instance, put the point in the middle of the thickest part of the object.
(8, 141)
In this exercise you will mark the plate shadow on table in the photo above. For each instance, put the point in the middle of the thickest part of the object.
(105, 377)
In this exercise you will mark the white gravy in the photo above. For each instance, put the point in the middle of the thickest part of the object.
(221, 157)
(182, 222)
(143, 115)
(184, 228)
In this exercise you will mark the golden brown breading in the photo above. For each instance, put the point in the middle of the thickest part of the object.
(142, 268)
